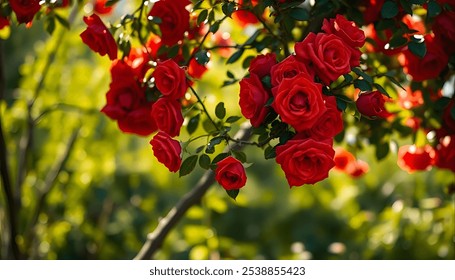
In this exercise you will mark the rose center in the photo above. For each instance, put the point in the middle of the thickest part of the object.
(300, 102)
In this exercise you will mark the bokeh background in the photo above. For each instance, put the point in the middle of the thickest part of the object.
(110, 191)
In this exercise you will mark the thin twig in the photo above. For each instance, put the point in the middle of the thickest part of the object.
(156, 238)
(49, 182)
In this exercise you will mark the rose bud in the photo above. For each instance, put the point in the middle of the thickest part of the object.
(371, 104)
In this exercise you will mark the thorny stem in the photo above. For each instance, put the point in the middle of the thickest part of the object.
(204, 108)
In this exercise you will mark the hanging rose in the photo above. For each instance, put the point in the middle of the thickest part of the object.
(98, 37)
(371, 104)
(170, 79)
(175, 19)
(253, 98)
(305, 161)
(412, 158)
(230, 174)
(167, 151)
(25, 10)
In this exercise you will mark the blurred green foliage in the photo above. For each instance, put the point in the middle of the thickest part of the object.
(111, 192)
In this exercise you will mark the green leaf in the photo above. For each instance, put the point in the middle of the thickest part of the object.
(220, 111)
(202, 57)
(269, 152)
(233, 119)
(382, 90)
(110, 3)
(363, 85)
(348, 78)
(173, 51)
(418, 49)
(433, 9)
(188, 165)
(228, 8)
(230, 75)
(382, 150)
(252, 38)
(341, 104)
(212, 143)
(393, 80)
(193, 123)
(219, 158)
(364, 75)
(452, 113)
(214, 27)
(300, 14)
(204, 161)
(208, 126)
(62, 21)
(233, 193)
(235, 56)
(389, 9)
(155, 20)
(407, 6)
(49, 24)
(397, 40)
(202, 16)
(267, 82)
(241, 156)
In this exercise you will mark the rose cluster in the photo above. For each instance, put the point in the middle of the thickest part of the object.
(293, 89)
(426, 71)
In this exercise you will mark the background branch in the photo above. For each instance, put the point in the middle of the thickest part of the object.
(156, 238)
(11, 209)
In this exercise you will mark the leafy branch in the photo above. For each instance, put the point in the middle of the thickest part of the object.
(156, 238)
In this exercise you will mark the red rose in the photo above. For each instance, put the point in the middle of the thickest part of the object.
(175, 19)
(98, 38)
(253, 98)
(262, 64)
(342, 159)
(412, 158)
(372, 10)
(230, 174)
(349, 33)
(286, 69)
(409, 99)
(305, 161)
(330, 123)
(244, 17)
(25, 10)
(371, 104)
(170, 79)
(126, 102)
(3, 22)
(448, 118)
(168, 115)
(101, 8)
(347, 163)
(445, 153)
(428, 67)
(444, 30)
(327, 53)
(357, 168)
(299, 101)
(167, 151)
(195, 69)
